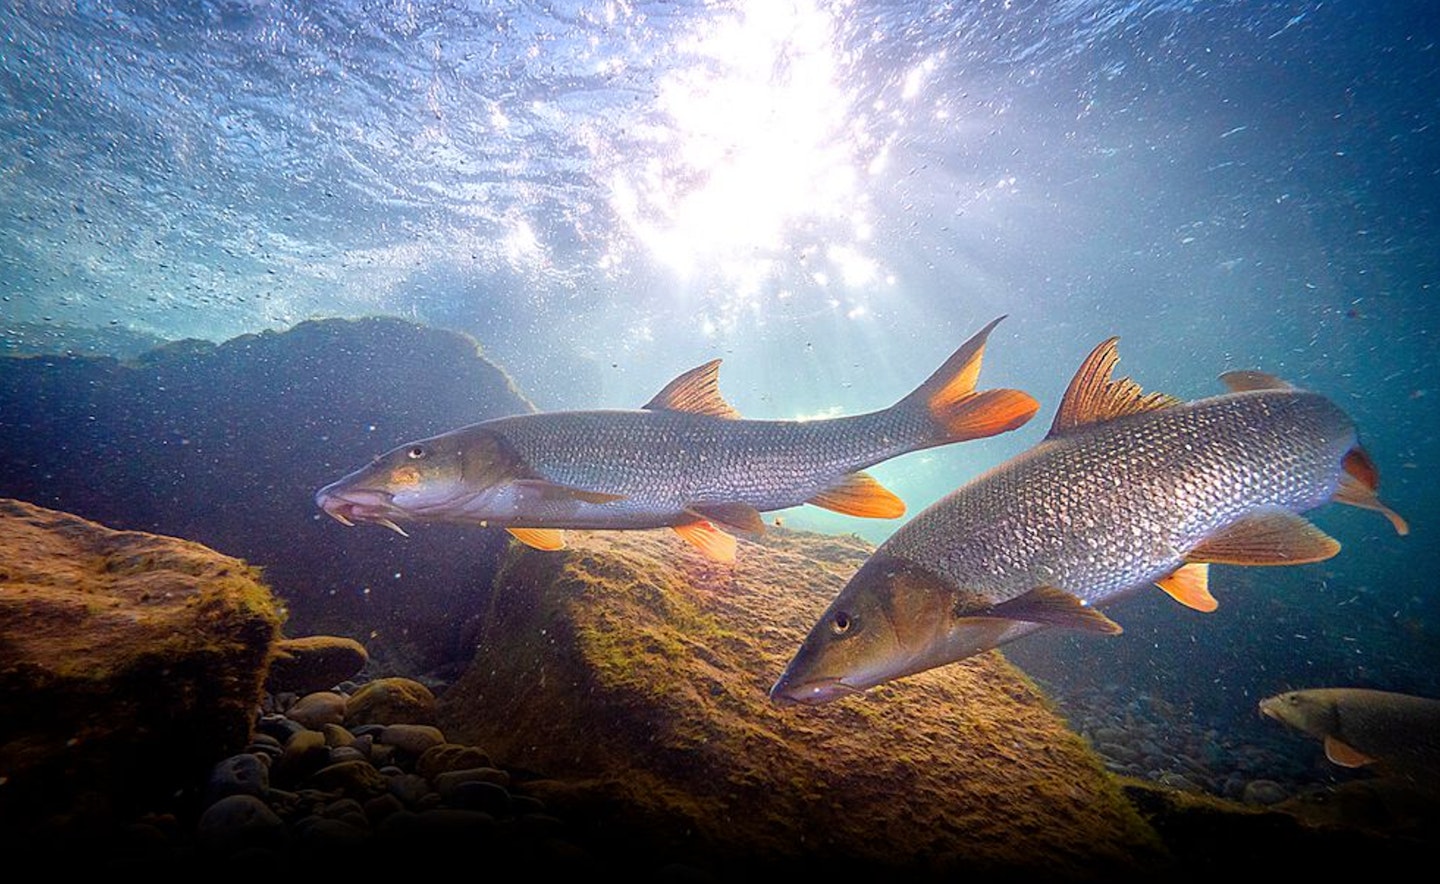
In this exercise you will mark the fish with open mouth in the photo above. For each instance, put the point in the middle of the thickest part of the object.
(685, 461)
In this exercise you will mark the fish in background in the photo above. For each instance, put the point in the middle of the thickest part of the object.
(686, 461)
(1398, 733)
(1128, 489)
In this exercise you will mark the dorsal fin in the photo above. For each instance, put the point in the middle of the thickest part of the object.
(697, 391)
(1248, 380)
(1094, 396)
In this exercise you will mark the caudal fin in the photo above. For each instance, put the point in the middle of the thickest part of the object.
(956, 410)
(1358, 484)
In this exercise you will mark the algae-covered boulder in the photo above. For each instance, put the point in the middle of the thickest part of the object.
(129, 662)
(634, 673)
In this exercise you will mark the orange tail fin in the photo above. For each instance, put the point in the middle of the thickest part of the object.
(957, 411)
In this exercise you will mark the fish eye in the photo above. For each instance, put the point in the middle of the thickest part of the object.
(841, 623)
(415, 452)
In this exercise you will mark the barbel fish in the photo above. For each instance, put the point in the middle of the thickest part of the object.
(686, 461)
(1399, 733)
(1127, 489)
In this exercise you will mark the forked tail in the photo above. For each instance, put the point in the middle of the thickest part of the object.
(956, 410)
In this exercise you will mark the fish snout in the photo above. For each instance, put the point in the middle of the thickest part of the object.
(348, 506)
(810, 693)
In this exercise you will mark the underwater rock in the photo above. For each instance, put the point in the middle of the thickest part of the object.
(131, 661)
(635, 673)
(314, 663)
(393, 700)
(225, 444)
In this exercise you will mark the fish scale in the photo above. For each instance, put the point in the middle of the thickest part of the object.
(678, 459)
(1167, 478)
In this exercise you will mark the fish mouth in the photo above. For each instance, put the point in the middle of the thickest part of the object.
(812, 693)
(349, 506)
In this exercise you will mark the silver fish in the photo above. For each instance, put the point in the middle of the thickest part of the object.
(685, 461)
(1126, 490)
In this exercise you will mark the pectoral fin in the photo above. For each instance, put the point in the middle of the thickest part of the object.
(711, 541)
(1271, 537)
(539, 538)
(858, 494)
(1055, 607)
(1190, 586)
(553, 491)
(1343, 755)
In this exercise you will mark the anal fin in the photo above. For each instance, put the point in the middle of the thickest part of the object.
(1269, 537)
(1190, 586)
(711, 541)
(540, 538)
(859, 494)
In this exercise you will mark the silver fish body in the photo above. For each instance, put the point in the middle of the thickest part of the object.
(686, 461)
(1126, 491)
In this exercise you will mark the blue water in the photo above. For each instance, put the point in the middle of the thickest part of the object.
(830, 196)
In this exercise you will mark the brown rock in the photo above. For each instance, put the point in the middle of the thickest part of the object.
(448, 757)
(391, 701)
(638, 673)
(316, 710)
(314, 663)
(129, 662)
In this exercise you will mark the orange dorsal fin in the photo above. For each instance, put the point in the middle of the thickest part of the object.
(714, 543)
(1248, 381)
(739, 516)
(1190, 586)
(858, 494)
(539, 538)
(697, 391)
(1055, 607)
(1095, 396)
(1272, 537)
(1357, 487)
(1344, 755)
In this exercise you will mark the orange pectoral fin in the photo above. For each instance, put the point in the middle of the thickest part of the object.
(858, 494)
(711, 541)
(1190, 586)
(539, 538)
(1343, 755)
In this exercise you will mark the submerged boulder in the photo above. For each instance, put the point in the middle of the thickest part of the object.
(129, 662)
(634, 674)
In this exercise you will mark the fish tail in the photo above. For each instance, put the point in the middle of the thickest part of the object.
(955, 410)
(1358, 483)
